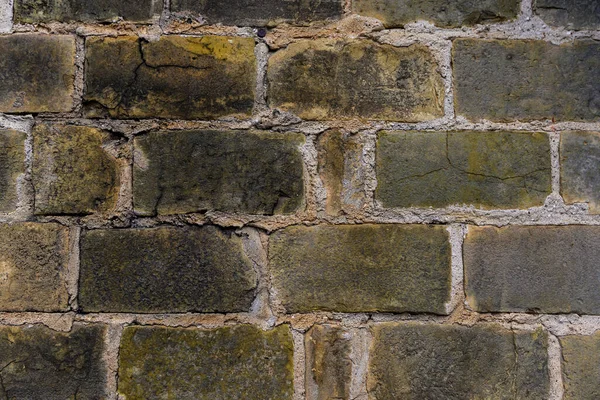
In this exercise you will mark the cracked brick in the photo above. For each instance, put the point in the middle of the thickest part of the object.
(427, 361)
(483, 169)
(174, 77)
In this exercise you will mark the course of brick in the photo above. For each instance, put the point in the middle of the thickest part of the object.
(299, 199)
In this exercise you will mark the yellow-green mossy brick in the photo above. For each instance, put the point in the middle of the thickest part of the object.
(72, 173)
(225, 363)
(361, 268)
(581, 366)
(174, 77)
(12, 168)
(327, 79)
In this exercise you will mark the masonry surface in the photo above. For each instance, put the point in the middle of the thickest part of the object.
(305, 200)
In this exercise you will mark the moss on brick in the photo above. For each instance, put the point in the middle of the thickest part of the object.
(12, 167)
(581, 366)
(158, 362)
(579, 166)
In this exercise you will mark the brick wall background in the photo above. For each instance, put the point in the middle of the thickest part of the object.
(366, 199)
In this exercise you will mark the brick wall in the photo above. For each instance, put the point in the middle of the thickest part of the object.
(360, 199)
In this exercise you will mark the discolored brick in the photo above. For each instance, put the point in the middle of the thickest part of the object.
(361, 268)
(12, 167)
(38, 11)
(327, 79)
(174, 77)
(526, 80)
(201, 269)
(581, 366)
(427, 361)
(72, 173)
(233, 171)
(548, 269)
(33, 267)
(443, 13)
(37, 73)
(328, 363)
(579, 166)
(570, 14)
(223, 363)
(260, 13)
(39, 363)
(484, 169)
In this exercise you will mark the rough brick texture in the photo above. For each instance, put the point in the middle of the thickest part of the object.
(579, 162)
(570, 14)
(222, 363)
(12, 168)
(165, 270)
(503, 80)
(547, 269)
(413, 361)
(38, 73)
(484, 169)
(259, 13)
(33, 267)
(396, 13)
(391, 268)
(39, 363)
(37, 11)
(174, 77)
(325, 79)
(581, 366)
(249, 172)
(72, 173)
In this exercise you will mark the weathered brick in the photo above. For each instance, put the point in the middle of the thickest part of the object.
(579, 165)
(33, 267)
(39, 363)
(224, 363)
(72, 174)
(165, 270)
(447, 14)
(174, 77)
(327, 79)
(571, 14)
(427, 361)
(36, 11)
(361, 268)
(260, 13)
(328, 364)
(37, 73)
(504, 80)
(484, 169)
(548, 269)
(12, 167)
(193, 171)
(581, 366)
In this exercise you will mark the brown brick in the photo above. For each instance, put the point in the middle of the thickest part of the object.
(33, 267)
(484, 169)
(12, 167)
(579, 165)
(328, 364)
(427, 361)
(447, 14)
(548, 269)
(506, 80)
(361, 268)
(39, 363)
(234, 171)
(154, 270)
(581, 366)
(72, 174)
(174, 77)
(37, 11)
(38, 73)
(219, 364)
(571, 14)
(259, 13)
(325, 79)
